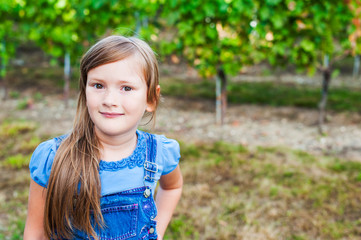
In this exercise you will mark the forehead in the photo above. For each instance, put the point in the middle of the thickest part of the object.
(130, 67)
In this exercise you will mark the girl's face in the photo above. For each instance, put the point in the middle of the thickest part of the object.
(116, 96)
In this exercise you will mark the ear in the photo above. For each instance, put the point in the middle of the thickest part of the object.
(152, 105)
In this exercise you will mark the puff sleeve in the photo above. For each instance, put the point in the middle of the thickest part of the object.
(41, 162)
(168, 154)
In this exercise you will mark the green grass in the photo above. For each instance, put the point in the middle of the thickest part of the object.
(17, 142)
(266, 93)
(15, 211)
(230, 191)
(11, 128)
(17, 161)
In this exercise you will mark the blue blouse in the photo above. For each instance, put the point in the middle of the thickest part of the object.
(117, 176)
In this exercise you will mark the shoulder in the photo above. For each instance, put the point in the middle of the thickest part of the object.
(168, 153)
(42, 159)
(163, 143)
(167, 144)
(49, 146)
(43, 149)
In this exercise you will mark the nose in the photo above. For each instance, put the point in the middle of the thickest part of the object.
(111, 98)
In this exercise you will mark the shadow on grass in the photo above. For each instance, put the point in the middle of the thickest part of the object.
(266, 93)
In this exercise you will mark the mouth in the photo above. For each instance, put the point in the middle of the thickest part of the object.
(111, 114)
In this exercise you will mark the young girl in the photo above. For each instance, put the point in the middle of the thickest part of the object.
(98, 181)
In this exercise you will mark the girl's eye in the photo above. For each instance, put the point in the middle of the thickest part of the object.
(127, 89)
(98, 86)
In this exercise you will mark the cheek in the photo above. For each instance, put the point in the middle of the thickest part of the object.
(138, 103)
(91, 100)
(133, 105)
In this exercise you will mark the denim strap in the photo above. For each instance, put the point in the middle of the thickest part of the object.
(150, 167)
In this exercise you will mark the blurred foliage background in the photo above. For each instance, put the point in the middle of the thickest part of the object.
(219, 37)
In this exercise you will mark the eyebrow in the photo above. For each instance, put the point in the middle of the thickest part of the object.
(102, 80)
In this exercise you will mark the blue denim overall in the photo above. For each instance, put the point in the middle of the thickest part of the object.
(129, 214)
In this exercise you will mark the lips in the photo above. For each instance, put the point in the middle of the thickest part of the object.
(111, 114)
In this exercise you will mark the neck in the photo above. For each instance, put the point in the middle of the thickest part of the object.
(117, 147)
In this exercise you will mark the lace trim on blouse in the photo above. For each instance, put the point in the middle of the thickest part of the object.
(136, 159)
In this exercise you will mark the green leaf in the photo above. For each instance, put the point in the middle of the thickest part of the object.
(272, 2)
(277, 21)
(264, 13)
(307, 45)
(335, 73)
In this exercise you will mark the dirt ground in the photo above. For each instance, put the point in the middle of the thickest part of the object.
(194, 121)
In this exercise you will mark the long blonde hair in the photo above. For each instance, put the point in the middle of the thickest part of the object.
(73, 191)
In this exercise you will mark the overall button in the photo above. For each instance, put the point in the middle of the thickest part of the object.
(147, 193)
(151, 230)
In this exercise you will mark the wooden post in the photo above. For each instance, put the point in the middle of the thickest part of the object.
(356, 67)
(326, 72)
(221, 95)
(218, 101)
(3, 70)
(67, 74)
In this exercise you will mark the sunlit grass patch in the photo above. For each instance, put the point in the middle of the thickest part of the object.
(305, 157)
(14, 94)
(15, 229)
(182, 228)
(214, 154)
(28, 145)
(191, 151)
(262, 149)
(17, 161)
(17, 137)
(352, 169)
(13, 128)
(296, 237)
